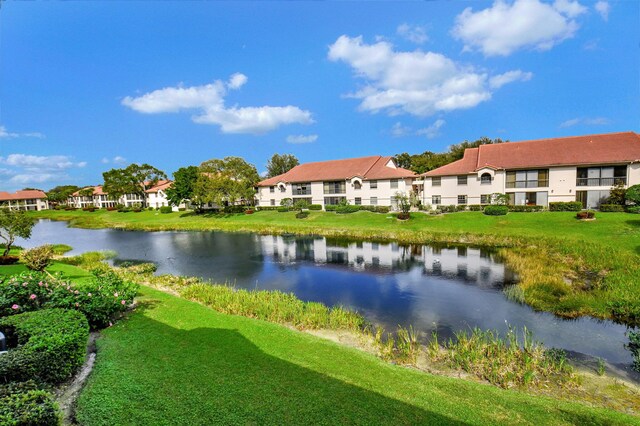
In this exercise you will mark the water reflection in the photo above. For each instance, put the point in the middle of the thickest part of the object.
(430, 287)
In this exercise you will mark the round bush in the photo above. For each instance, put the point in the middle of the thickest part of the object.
(24, 404)
(633, 194)
(49, 345)
(496, 210)
(166, 209)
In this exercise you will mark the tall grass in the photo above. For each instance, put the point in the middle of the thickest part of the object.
(512, 360)
(89, 259)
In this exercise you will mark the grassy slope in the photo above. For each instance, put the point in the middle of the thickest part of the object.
(175, 362)
(70, 272)
(551, 246)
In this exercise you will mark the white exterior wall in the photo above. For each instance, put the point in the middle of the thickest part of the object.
(26, 204)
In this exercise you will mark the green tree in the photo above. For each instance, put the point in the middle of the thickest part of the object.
(279, 164)
(134, 179)
(618, 193)
(60, 194)
(184, 181)
(633, 194)
(226, 181)
(13, 224)
(86, 192)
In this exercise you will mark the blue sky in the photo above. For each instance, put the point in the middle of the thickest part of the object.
(87, 86)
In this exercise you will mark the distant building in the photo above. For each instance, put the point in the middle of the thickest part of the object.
(537, 172)
(154, 197)
(372, 181)
(24, 200)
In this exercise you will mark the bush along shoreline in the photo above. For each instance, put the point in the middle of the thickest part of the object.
(515, 360)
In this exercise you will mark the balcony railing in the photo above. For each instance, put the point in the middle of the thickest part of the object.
(609, 181)
(302, 191)
(528, 184)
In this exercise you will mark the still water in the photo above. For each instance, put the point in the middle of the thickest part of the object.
(432, 288)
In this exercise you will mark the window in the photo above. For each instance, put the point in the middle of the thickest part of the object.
(272, 202)
(436, 200)
(283, 188)
(485, 199)
(357, 201)
(373, 201)
(462, 180)
(332, 201)
(528, 178)
(337, 187)
(272, 189)
(485, 179)
(302, 188)
(436, 181)
(462, 199)
(394, 183)
(357, 185)
(601, 176)
(373, 184)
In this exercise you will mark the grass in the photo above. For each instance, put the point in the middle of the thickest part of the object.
(566, 266)
(70, 272)
(175, 362)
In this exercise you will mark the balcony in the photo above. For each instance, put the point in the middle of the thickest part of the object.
(608, 181)
(528, 184)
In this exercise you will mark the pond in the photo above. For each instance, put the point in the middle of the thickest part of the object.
(433, 288)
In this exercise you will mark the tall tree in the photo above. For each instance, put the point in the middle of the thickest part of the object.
(134, 179)
(229, 180)
(279, 164)
(60, 194)
(14, 223)
(184, 180)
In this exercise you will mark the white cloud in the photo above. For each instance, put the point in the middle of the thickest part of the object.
(500, 80)
(506, 27)
(433, 130)
(595, 121)
(418, 83)
(28, 169)
(603, 8)
(399, 130)
(298, 139)
(209, 100)
(4, 133)
(116, 160)
(414, 34)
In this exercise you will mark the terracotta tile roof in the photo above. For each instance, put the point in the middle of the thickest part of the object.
(610, 148)
(97, 190)
(22, 195)
(374, 167)
(160, 186)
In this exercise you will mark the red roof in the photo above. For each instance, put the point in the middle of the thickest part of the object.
(611, 148)
(22, 195)
(367, 168)
(160, 186)
(97, 190)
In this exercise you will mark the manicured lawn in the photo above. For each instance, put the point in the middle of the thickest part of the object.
(175, 362)
(566, 266)
(70, 272)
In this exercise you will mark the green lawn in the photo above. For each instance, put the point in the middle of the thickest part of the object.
(566, 266)
(70, 272)
(175, 362)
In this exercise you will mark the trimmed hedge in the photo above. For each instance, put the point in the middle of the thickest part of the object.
(525, 209)
(447, 209)
(330, 207)
(267, 208)
(571, 206)
(234, 209)
(315, 207)
(476, 207)
(633, 209)
(283, 209)
(383, 209)
(24, 404)
(166, 209)
(347, 209)
(49, 345)
(496, 210)
(611, 208)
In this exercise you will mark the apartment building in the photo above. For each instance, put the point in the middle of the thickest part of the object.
(537, 172)
(24, 200)
(370, 181)
(154, 197)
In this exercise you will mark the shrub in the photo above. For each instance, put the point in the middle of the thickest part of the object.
(496, 210)
(234, 209)
(633, 194)
(283, 209)
(124, 209)
(403, 216)
(634, 347)
(100, 299)
(266, 208)
(383, 209)
(475, 208)
(330, 207)
(248, 211)
(166, 209)
(315, 206)
(571, 206)
(110, 209)
(586, 215)
(609, 208)
(49, 345)
(286, 202)
(89, 209)
(633, 209)
(524, 209)
(448, 209)
(346, 209)
(368, 208)
(302, 215)
(181, 209)
(461, 208)
(37, 258)
(24, 404)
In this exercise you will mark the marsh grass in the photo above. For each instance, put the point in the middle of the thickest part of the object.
(513, 360)
(89, 259)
